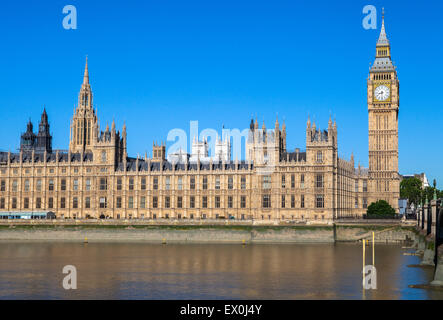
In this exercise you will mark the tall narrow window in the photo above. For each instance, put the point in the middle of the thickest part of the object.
(103, 184)
(230, 182)
(155, 202)
(103, 203)
(142, 202)
(319, 180)
(143, 184)
(266, 201)
(266, 182)
(118, 203)
(130, 202)
(243, 202)
(320, 201)
(155, 184)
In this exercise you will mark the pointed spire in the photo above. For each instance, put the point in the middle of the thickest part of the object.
(277, 125)
(86, 76)
(383, 39)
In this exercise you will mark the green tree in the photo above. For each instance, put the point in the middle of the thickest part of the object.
(427, 192)
(381, 207)
(411, 189)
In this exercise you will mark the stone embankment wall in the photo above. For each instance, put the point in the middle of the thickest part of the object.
(438, 276)
(204, 233)
(425, 246)
(382, 234)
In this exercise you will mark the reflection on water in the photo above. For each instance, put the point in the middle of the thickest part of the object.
(206, 271)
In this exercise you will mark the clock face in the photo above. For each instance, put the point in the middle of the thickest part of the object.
(382, 93)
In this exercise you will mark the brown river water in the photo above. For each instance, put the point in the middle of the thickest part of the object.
(208, 271)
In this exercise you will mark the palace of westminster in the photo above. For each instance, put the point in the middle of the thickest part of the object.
(96, 178)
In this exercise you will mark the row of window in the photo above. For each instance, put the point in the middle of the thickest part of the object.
(202, 216)
(103, 183)
(51, 170)
(103, 203)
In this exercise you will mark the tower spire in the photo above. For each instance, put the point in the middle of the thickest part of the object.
(86, 76)
(383, 39)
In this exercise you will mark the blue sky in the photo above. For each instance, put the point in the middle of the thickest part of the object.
(159, 64)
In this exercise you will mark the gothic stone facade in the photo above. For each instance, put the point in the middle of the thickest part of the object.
(97, 178)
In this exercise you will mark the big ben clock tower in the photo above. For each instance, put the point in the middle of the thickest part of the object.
(383, 105)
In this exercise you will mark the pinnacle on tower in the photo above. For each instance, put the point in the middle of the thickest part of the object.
(383, 39)
(86, 75)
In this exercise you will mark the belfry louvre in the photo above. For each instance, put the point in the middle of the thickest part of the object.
(96, 178)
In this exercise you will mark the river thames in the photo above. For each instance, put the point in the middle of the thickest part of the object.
(207, 271)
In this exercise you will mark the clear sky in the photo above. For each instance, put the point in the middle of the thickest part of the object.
(157, 65)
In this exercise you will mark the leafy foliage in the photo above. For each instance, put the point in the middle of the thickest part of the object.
(411, 189)
(381, 207)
